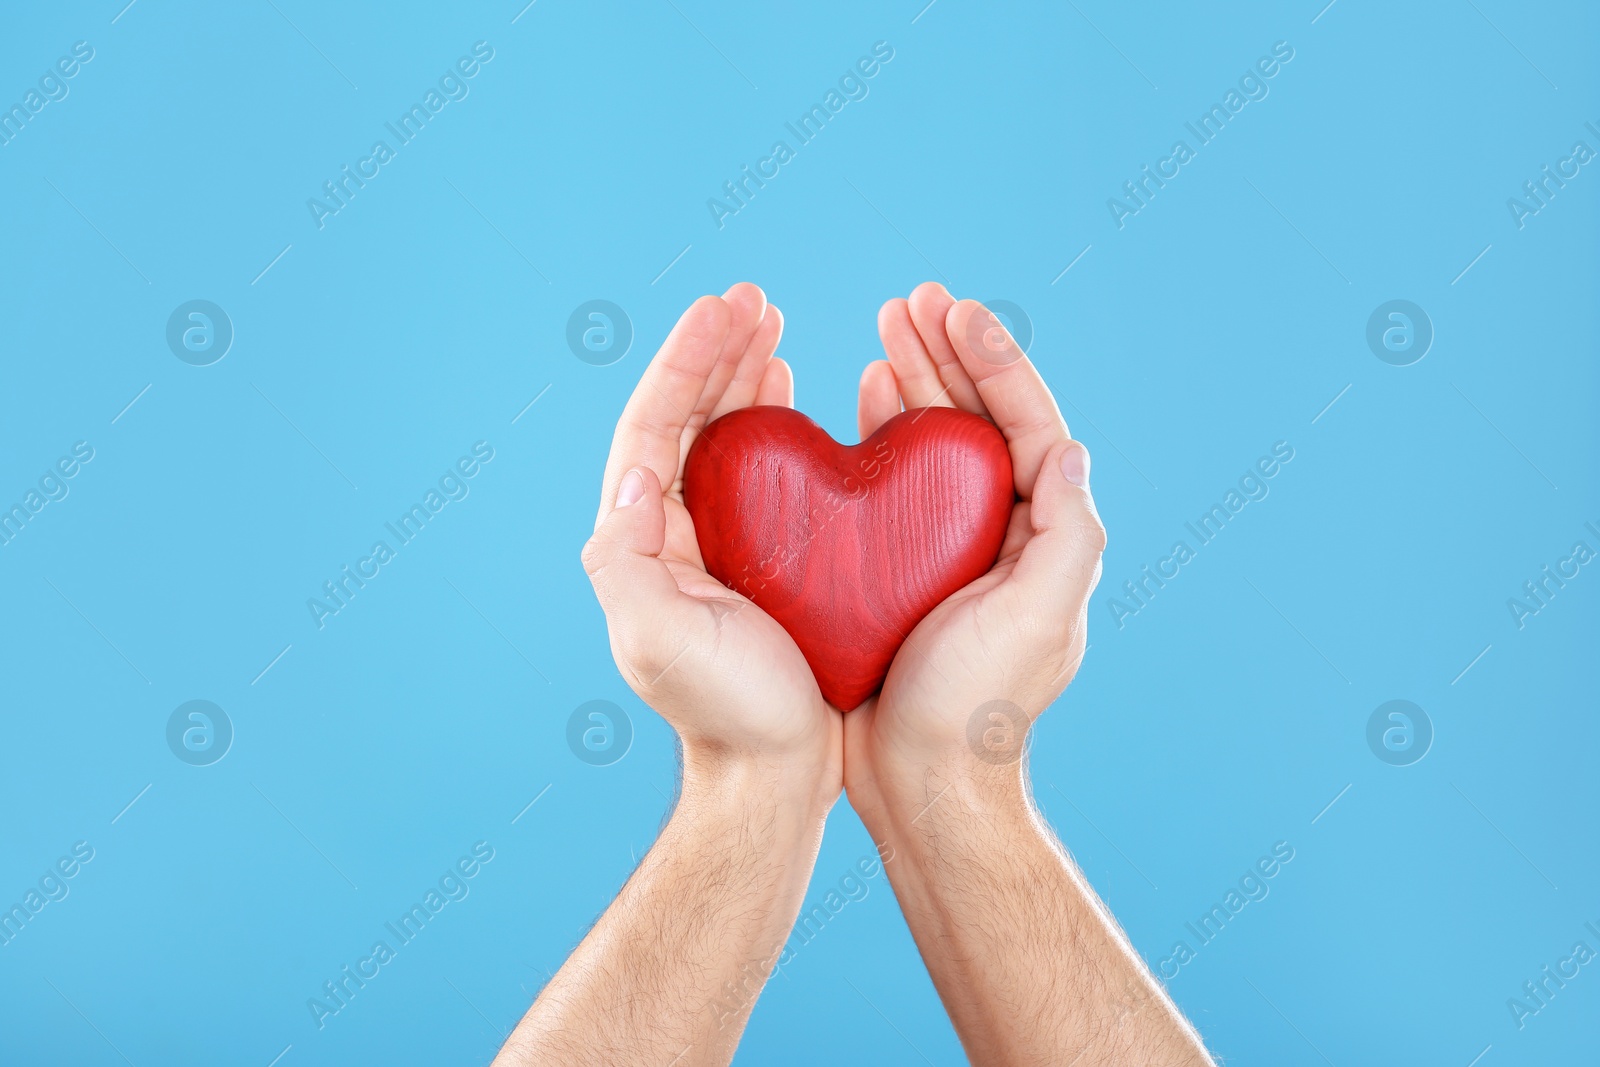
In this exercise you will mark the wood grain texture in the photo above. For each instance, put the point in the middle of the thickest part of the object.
(848, 547)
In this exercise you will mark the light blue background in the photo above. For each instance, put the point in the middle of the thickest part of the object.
(1223, 318)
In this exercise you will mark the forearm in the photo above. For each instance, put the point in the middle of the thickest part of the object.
(1028, 961)
(672, 969)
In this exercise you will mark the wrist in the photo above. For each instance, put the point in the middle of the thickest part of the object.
(787, 793)
(896, 796)
(903, 758)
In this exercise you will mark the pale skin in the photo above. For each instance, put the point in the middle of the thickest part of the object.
(1029, 963)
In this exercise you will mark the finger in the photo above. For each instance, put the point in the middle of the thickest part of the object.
(622, 558)
(1060, 565)
(752, 369)
(880, 397)
(1017, 398)
(913, 367)
(650, 432)
(930, 303)
(747, 306)
(777, 385)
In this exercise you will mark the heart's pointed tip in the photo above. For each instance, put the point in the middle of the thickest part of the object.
(849, 700)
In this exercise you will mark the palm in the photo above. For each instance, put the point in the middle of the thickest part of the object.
(955, 630)
(684, 641)
(752, 661)
(941, 672)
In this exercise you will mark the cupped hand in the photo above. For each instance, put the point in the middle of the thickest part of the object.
(975, 673)
(725, 675)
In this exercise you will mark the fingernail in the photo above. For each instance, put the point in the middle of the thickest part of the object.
(631, 489)
(1075, 465)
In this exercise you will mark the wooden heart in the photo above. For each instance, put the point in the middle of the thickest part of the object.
(848, 547)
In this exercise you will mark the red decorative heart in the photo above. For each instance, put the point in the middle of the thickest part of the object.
(848, 547)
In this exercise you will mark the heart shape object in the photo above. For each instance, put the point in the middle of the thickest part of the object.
(848, 547)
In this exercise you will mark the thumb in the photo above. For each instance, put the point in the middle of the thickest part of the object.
(621, 558)
(1060, 565)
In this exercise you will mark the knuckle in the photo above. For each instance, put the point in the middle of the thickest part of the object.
(1088, 535)
(1098, 536)
(643, 655)
(595, 555)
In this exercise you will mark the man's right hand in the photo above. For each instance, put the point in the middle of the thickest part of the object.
(727, 677)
